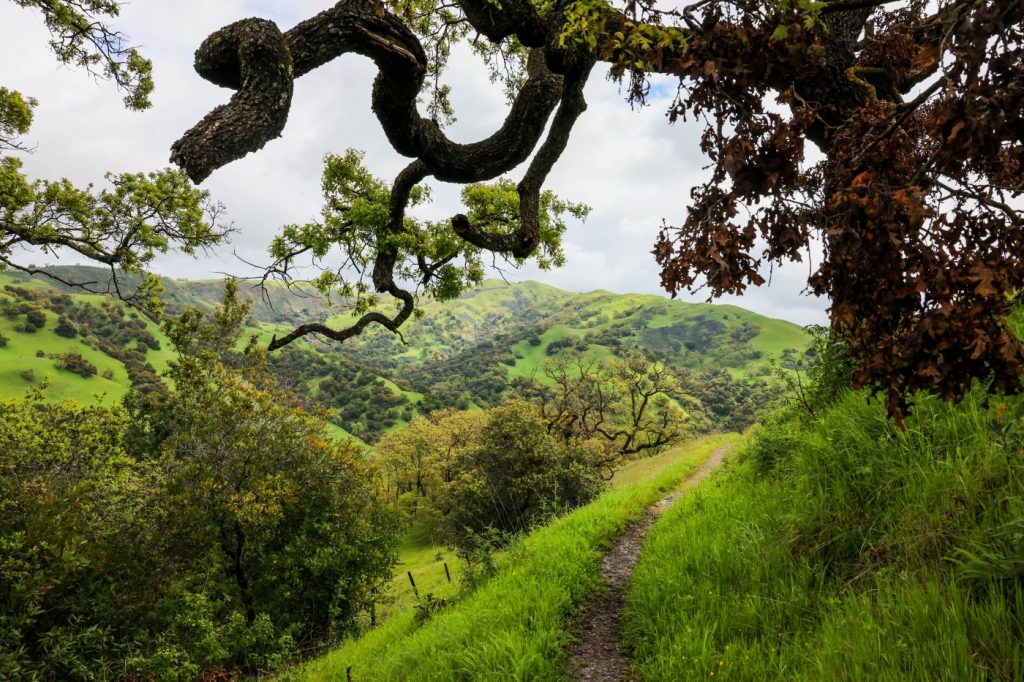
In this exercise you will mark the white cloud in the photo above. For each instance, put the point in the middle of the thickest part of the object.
(630, 166)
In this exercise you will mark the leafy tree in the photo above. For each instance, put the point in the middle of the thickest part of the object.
(625, 407)
(36, 318)
(358, 217)
(211, 528)
(81, 37)
(420, 460)
(76, 364)
(64, 479)
(66, 328)
(515, 477)
(122, 227)
(732, 404)
(290, 514)
(919, 123)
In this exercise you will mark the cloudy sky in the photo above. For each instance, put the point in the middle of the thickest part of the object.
(630, 166)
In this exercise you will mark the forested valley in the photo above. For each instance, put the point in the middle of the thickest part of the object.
(386, 449)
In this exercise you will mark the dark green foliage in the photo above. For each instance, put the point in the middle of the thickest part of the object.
(696, 335)
(4, 340)
(733, 405)
(558, 345)
(58, 487)
(204, 530)
(66, 328)
(519, 476)
(831, 369)
(76, 364)
(36, 318)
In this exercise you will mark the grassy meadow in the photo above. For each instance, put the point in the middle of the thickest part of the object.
(841, 548)
(516, 625)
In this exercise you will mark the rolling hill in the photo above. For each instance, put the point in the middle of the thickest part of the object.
(463, 353)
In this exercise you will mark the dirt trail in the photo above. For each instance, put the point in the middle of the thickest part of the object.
(596, 657)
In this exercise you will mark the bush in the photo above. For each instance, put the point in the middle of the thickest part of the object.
(66, 328)
(28, 375)
(76, 364)
(4, 340)
(36, 318)
(516, 478)
(207, 532)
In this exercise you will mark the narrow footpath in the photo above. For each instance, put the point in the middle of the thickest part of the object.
(597, 657)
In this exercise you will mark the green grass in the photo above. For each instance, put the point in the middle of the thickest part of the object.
(516, 626)
(844, 549)
(424, 555)
(20, 355)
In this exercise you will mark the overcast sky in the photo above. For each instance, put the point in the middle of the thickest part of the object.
(630, 166)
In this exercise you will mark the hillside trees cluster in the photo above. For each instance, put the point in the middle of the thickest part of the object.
(123, 336)
(488, 475)
(207, 528)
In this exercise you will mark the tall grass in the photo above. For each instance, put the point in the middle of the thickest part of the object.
(516, 626)
(844, 548)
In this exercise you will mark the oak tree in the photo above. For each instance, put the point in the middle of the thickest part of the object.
(624, 407)
(917, 108)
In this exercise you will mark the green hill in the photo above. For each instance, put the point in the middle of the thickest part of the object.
(464, 353)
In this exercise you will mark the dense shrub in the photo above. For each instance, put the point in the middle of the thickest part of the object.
(66, 328)
(517, 477)
(76, 364)
(36, 318)
(204, 531)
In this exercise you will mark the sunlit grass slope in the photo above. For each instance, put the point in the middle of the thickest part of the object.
(844, 549)
(424, 554)
(22, 350)
(516, 626)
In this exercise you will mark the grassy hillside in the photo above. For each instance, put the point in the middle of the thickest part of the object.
(462, 353)
(31, 358)
(516, 625)
(843, 548)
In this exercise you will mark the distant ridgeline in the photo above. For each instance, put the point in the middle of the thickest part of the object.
(461, 354)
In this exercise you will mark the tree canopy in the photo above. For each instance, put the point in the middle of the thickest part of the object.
(125, 226)
(916, 107)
